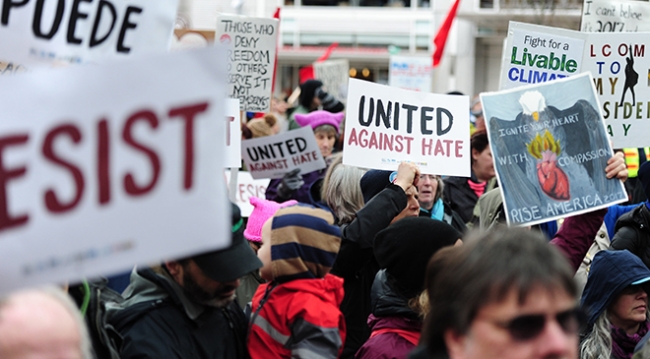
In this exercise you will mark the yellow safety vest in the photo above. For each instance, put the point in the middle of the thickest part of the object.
(632, 160)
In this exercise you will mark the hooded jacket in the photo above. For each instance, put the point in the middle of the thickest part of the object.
(610, 273)
(297, 315)
(157, 320)
(633, 233)
(390, 312)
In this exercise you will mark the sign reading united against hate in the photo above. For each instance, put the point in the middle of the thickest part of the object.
(550, 150)
(535, 54)
(615, 16)
(334, 75)
(246, 188)
(63, 32)
(114, 167)
(251, 46)
(273, 156)
(621, 69)
(410, 73)
(385, 126)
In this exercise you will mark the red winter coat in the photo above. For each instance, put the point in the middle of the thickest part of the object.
(298, 319)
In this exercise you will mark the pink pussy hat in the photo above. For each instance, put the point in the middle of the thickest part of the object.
(319, 118)
(263, 210)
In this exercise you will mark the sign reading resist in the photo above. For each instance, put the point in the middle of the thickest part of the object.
(273, 156)
(114, 167)
(80, 31)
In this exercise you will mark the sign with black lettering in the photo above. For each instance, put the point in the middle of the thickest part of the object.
(251, 46)
(334, 75)
(273, 156)
(615, 16)
(114, 167)
(61, 32)
(387, 125)
(550, 150)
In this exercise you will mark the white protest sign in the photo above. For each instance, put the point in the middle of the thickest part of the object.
(410, 73)
(251, 54)
(334, 75)
(615, 16)
(535, 54)
(60, 32)
(246, 188)
(385, 126)
(112, 168)
(550, 150)
(621, 70)
(233, 134)
(273, 156)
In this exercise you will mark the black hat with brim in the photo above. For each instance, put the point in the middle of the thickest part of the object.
(234, 262)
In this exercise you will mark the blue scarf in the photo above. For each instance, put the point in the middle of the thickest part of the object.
(647, 203)
(438, 210)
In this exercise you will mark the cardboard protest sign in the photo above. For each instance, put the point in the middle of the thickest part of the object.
(621, 69)
(535, 54)
(410, 73)
(550, 150)
(114, 167)
(273, 156)
(62, 32)
(615, 16)
(246, 188)
(233, 134)
(385, 126)
(251, 54)
(334, 75)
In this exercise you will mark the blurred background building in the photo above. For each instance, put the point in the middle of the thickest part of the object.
(369, 31)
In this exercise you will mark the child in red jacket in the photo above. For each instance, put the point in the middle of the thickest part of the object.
(296, 314)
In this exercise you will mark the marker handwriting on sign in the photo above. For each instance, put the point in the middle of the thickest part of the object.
(72, 133)
(46, 24)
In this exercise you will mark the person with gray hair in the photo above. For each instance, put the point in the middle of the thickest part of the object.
(42, 323)
(506, 295)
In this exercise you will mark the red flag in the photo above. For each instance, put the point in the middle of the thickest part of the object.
(307, 72)
(276, 15)
(441, 37)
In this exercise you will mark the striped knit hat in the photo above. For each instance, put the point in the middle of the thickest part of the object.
(304, 243)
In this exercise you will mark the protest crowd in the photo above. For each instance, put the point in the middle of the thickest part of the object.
(529, 240)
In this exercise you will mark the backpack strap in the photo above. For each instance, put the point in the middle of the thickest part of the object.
(409, 336)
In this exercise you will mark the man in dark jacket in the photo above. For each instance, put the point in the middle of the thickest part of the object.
(186, 308)
(633, 228)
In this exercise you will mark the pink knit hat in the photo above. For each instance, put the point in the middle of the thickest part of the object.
(319, 118)
(263, 210)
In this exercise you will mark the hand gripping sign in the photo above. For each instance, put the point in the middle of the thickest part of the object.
(116, 165)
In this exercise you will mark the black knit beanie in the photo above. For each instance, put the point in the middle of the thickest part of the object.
(405, 248)
(308, 92)
(373, 182)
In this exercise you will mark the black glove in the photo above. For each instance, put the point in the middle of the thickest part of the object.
(329, 102)
(290, 183)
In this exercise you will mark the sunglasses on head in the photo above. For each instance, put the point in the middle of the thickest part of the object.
(529, 326)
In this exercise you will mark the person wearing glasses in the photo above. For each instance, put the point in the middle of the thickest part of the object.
(505, 295)
(617, 300)
(432, 205)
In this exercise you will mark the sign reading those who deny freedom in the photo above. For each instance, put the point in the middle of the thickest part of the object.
(273, 156)
(386, 125)
(62, 32)
(550, 150)
(113, 167)
(251, 46)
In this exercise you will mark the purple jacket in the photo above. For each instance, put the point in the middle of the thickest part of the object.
(577, 234)
(388, 345)
(301, 194)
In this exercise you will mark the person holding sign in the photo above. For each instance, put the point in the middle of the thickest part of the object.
(294, 185)
(186, 308)
(311, 98)
(388, 198)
